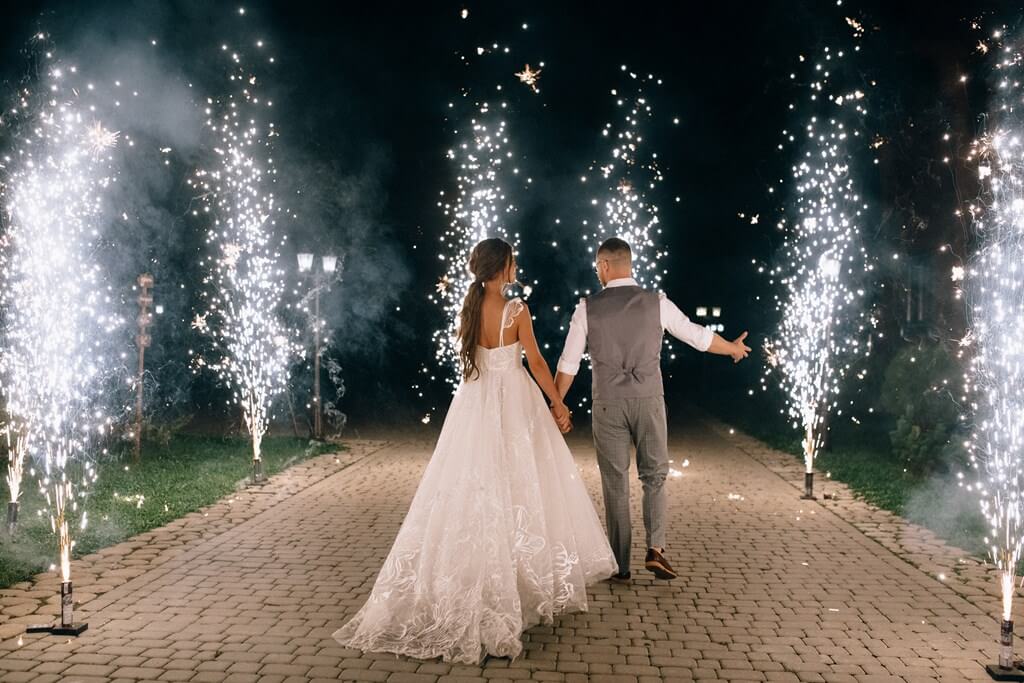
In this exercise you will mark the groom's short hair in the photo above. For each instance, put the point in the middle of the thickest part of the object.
(614, 249)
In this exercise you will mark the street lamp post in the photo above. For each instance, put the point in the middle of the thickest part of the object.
(704, 315)
(329, 264)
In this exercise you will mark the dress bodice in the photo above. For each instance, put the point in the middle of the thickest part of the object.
(506, 356)
(500, 358)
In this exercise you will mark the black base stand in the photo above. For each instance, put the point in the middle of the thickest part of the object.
(12, 516)
(808, 487)
(66, 627)
(58, 629)
(258, 478)
(1007, 669)
(999, 673)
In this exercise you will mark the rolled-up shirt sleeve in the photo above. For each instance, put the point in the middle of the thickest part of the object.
(575, 342)
(682, 328)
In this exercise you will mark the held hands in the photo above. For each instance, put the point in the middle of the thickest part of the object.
(562, 416)
(739, 350)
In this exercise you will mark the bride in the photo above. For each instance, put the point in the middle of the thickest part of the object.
(501, 534)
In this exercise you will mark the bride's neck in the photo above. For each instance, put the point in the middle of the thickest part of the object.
(493, 290)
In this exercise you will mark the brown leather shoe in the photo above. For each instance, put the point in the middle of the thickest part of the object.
(621, 578)
(657, 564)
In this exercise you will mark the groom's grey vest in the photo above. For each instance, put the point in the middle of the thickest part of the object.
(624, 336)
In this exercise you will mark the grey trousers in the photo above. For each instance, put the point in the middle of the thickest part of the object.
(619, 425)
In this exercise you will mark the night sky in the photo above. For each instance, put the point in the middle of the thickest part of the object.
(363, 92)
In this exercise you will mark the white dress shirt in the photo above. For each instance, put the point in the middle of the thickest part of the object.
(672, 319)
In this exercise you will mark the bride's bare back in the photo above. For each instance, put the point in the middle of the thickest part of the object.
(491, 313)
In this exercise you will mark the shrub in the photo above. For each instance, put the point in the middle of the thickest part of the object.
(162, 432)
(916, 394)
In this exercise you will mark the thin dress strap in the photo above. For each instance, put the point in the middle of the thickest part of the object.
(508, 315)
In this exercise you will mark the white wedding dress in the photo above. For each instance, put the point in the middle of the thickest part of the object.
(501, 534)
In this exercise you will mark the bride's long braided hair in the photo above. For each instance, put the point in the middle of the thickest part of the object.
(487, 261)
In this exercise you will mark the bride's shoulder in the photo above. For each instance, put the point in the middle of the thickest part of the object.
(514, 307)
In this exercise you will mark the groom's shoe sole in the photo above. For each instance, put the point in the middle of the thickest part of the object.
(621, 579)
(659, 570)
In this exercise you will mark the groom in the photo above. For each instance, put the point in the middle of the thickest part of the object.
(622, 326)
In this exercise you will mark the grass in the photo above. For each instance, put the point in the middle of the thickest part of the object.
(172, 480)
(861, 458)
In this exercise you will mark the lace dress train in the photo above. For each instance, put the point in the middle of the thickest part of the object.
(501, 534)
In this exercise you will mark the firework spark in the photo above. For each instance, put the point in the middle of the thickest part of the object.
(253, 348)
(529, 77)
(100, 138)
(821, 259)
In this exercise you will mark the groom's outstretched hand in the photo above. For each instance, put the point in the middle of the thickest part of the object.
(740, 349)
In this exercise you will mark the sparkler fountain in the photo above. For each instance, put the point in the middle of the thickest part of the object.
(822, 260)
(54, 318)
(996, 285)
(246, 282)
(630, 172)
(624, 183)
(480, 207)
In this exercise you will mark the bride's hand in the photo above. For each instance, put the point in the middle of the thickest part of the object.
(563, 418)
